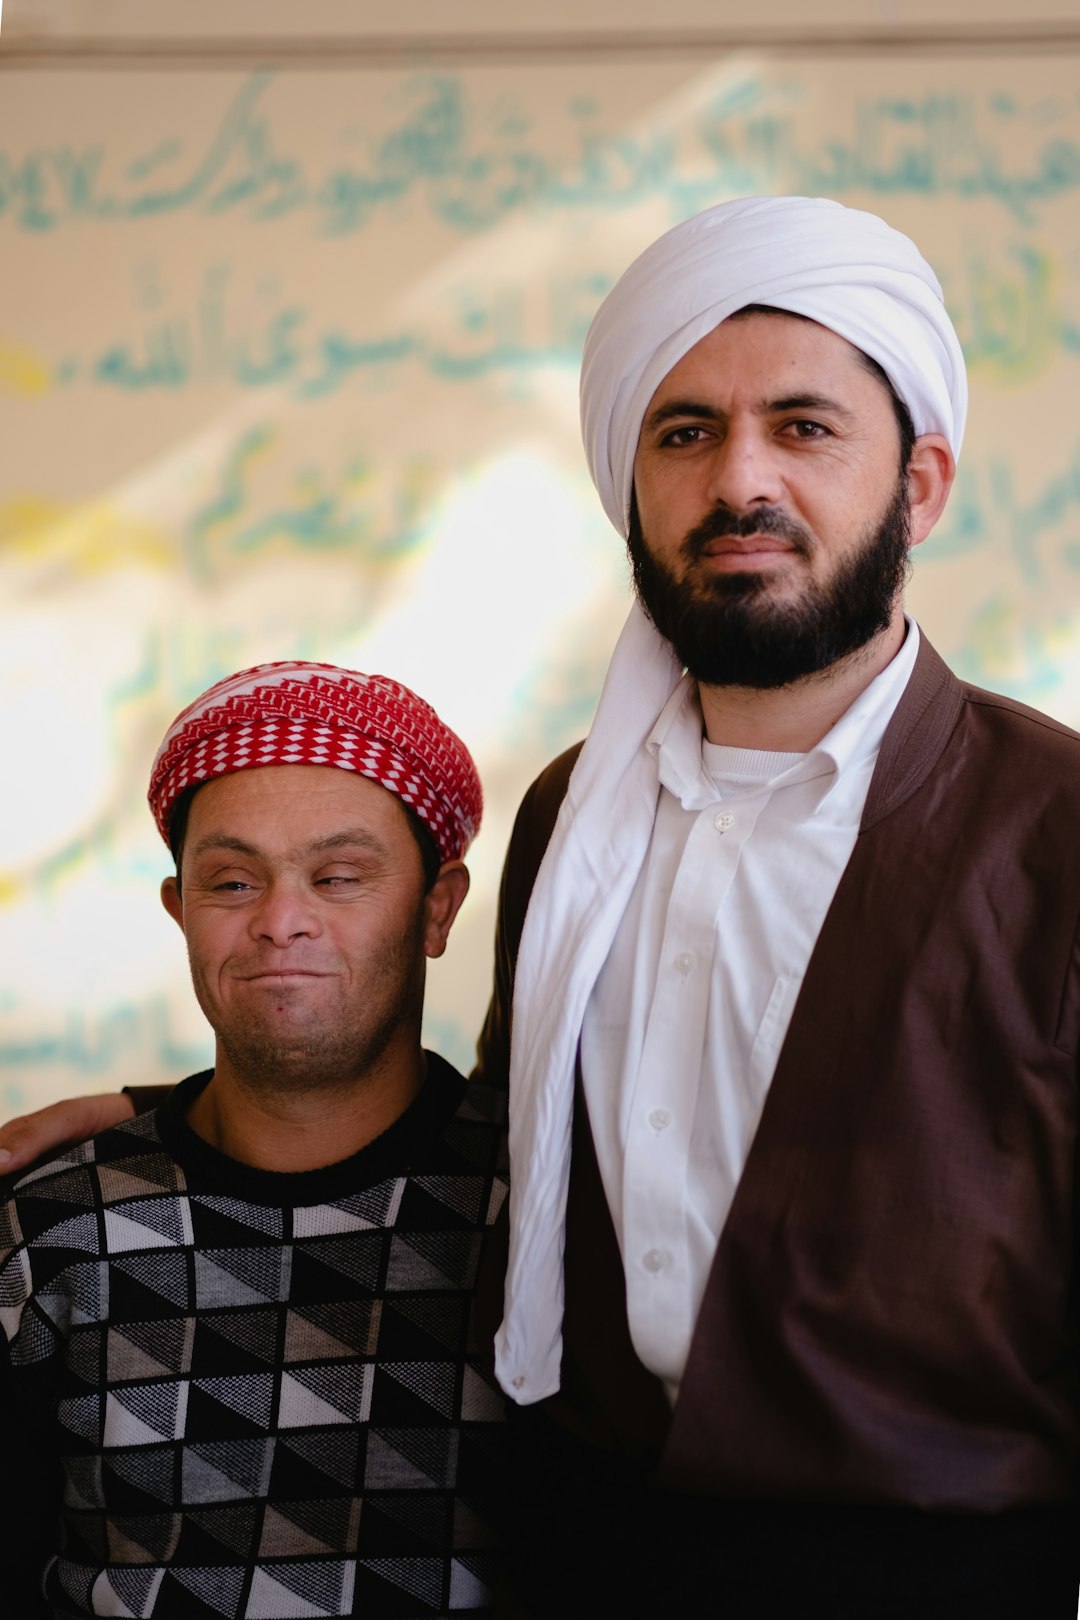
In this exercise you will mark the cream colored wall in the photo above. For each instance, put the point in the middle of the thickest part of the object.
(423, 19)
(288, 368)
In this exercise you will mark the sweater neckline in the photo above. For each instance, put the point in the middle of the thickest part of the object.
(390, 1154)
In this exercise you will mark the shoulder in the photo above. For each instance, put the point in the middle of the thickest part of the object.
(462, 1163)
(474, 1113)
(974, 744)
(77, 1165)
(1026, 726)
(936, 700)
(54, 1231)
(1018, 758)
(540, 805)
(61, 1199)
(536, 817)
(533, 827)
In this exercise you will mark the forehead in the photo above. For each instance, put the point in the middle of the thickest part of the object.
(760, 354)
(279, 805)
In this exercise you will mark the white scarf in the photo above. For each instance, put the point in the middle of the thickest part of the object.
(857, 276)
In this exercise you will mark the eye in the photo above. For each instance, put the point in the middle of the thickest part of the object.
(804, 428)
(344, 880)
(232, 886)
(679, 437)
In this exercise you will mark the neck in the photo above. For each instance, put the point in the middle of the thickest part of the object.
(303, 1126)
(793, 719)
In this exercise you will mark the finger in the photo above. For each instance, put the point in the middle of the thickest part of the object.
(60, 1125)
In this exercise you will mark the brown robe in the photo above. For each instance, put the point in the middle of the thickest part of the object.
(892, 1312)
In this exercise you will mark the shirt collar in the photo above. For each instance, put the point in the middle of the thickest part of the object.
(675, 740)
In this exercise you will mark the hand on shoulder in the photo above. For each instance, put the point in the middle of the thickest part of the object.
(49, 1130)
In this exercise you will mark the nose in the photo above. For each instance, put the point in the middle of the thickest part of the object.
(284, 912)
(744, 470)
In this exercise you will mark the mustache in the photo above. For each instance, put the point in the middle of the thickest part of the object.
(722, 524)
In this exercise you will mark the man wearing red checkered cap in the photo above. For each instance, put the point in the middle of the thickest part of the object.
(308, 942)
(236, 1348)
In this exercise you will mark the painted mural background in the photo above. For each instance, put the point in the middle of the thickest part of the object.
(288, 367)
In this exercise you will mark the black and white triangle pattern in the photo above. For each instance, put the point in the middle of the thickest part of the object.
(262, 1384)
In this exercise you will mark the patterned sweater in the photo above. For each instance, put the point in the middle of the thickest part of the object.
(231, 1392)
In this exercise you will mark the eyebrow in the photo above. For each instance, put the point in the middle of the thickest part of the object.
(808, 402)
(676, 408)
(681, 407)
(351, 838)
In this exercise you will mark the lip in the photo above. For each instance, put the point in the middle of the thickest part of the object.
(732, 553)
(276, 975)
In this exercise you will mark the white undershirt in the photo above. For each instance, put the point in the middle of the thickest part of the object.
(685, 1024)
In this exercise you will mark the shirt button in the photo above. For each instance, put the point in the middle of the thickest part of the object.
(723, 821)
(659, 1119)
(684, 963)
(655, 1260)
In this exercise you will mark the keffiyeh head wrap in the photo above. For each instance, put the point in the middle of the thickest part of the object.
(860, 278)
(314, 714)
(841, 267)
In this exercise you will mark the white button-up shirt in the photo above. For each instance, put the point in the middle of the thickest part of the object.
(685, 1024)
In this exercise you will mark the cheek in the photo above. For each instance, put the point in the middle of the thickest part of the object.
(654, 486)
(672, 485)
(209, 947)
(353, 942)
(832, 506)
(663, 522)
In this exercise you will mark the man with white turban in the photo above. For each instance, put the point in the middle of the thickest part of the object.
(805, 931)
(791, 1313)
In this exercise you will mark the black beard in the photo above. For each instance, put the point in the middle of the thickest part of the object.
(728, 632)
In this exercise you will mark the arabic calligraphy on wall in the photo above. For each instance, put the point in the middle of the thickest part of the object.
(288, 368)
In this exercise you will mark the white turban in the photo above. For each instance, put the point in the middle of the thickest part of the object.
(856, 275)
(843, 268)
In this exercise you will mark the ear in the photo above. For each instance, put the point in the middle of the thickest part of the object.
(170, 899)
(442, 904)
(930, 474)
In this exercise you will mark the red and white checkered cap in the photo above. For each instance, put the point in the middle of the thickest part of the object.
(315, 714)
